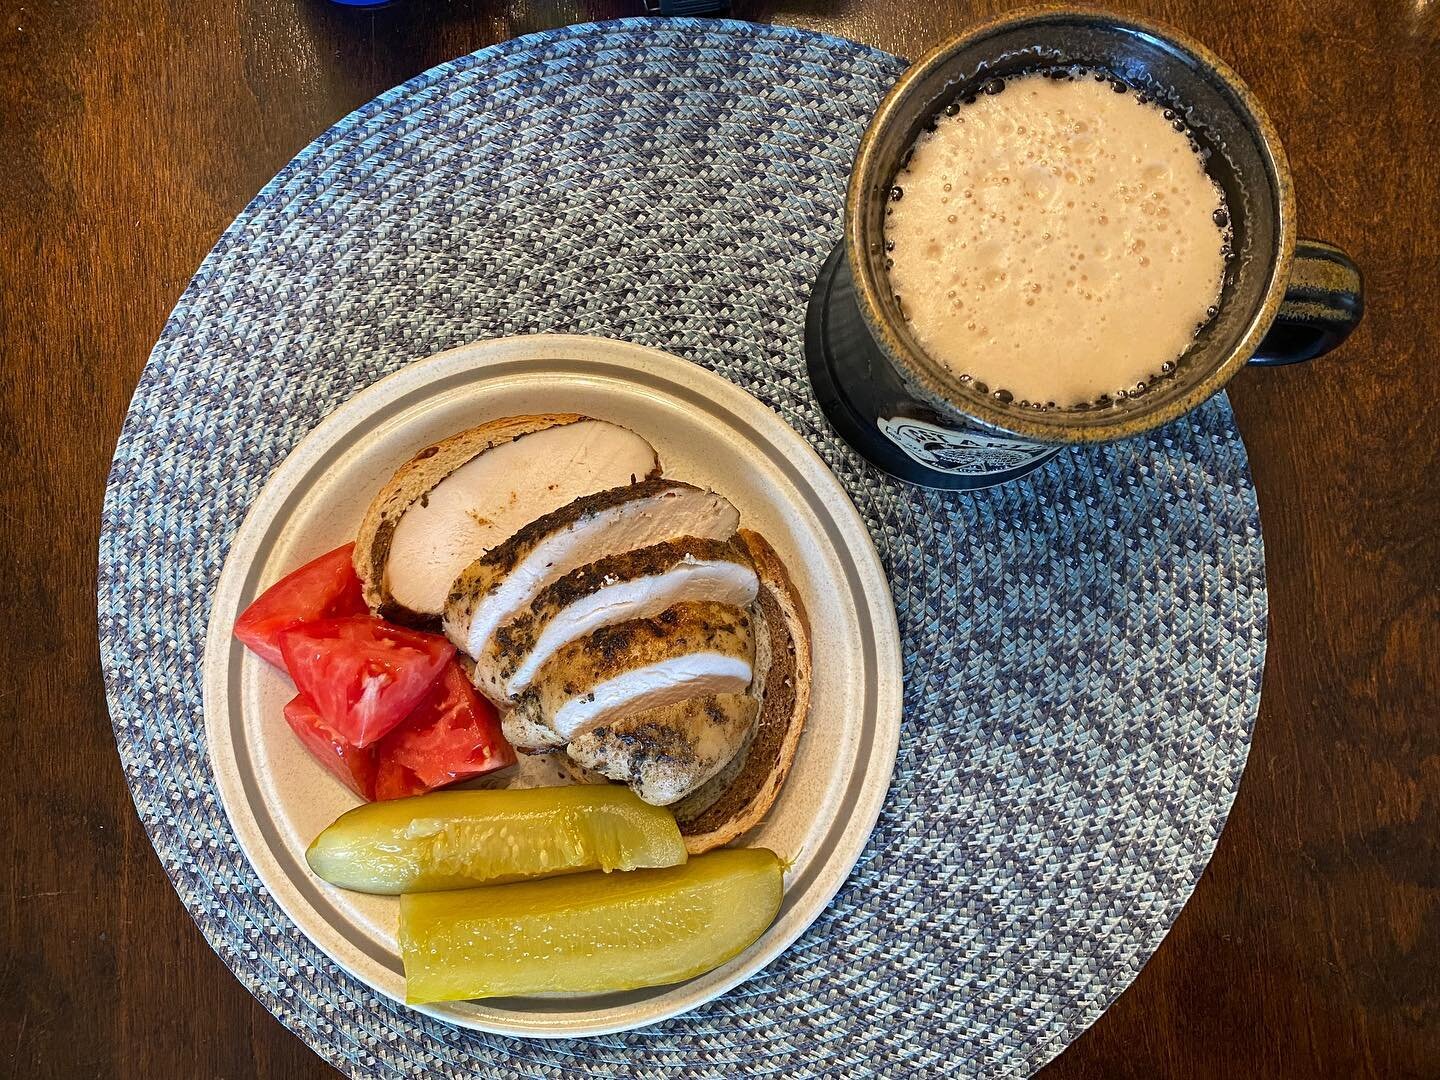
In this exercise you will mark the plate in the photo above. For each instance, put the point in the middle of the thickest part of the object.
(707, 432)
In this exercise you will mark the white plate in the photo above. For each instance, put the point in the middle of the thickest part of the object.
(708, 432)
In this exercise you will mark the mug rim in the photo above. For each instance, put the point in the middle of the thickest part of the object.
(930, 378)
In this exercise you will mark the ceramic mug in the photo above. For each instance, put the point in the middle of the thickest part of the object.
(1283, 300)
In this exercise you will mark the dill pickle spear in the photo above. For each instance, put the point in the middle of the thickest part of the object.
(458, 839)
(588, 932)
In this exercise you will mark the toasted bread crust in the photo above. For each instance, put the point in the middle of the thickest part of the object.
(754, 789)
(412, 482)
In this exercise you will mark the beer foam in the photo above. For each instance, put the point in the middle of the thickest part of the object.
(1059, 240)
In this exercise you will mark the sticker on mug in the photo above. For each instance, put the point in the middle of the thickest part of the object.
(964, 453)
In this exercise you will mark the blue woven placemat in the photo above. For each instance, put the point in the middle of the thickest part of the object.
(1083, 649)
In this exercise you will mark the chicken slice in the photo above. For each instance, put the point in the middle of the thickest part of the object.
(455, 500)
(506, 579)
(688, 650)
(666, 753)
(632, 585)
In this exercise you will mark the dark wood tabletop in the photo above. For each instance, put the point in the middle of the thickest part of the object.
(132, 132)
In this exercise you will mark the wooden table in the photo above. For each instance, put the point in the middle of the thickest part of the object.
(130, 135)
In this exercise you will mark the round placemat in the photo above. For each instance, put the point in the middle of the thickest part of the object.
(1083, 648)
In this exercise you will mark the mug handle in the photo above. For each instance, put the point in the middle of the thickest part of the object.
(1323, 303)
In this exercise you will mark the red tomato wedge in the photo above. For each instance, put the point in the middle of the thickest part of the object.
(452, 735)
(363, 675)
(321, 589)
(354, 767)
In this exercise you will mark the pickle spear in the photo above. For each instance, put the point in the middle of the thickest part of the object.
(588, 932)
(458, 839)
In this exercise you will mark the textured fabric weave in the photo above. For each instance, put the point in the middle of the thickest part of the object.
(1083, 648)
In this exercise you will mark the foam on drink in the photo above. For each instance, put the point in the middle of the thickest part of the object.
(1060, 240)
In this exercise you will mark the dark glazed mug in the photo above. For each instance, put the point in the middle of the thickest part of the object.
(1282, 300)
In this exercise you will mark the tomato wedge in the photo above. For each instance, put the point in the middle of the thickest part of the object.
(452, 735)
(321, 589)
(363, 675)
(355, 767)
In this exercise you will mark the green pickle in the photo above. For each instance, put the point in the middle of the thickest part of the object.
(588, 932)
(459, 839)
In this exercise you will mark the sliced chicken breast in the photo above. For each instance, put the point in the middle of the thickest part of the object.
(527, 732)
(489, 497)
(632, 585)
(686, 651)
(666, 753)
(504, 582)
(457, 498)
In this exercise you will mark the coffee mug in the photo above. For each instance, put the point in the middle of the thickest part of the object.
(1281, 300)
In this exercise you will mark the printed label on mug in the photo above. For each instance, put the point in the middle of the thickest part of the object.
(964, 453)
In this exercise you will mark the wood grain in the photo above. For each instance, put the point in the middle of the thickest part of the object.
(131, 134)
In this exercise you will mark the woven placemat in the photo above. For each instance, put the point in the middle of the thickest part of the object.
(1083, 649)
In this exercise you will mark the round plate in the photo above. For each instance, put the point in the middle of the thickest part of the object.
(707, 432)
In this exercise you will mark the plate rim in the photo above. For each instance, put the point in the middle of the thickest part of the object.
(874, 594)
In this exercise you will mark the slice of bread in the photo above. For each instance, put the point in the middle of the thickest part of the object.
(739, 797)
